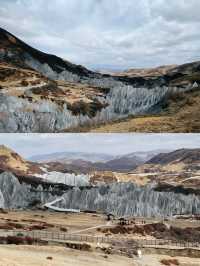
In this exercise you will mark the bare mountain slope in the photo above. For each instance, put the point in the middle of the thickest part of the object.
(15, 51)
(12, 162)
(40, 92)
(146, 72)
(177, 168)
(186, 156)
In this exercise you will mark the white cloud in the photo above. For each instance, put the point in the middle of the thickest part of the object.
(111, 33)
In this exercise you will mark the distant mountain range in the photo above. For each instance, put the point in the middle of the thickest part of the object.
(86, 162)
(142, 72)
(177, 168)
(70, 156)
(69, 162)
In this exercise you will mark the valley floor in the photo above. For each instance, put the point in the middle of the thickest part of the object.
(72, 222)
(53, 221)
(60, 255)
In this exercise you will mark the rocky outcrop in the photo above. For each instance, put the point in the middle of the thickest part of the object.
(21, 115)
(130, 199)
(69, 179)
(12, 193)
(120, 198)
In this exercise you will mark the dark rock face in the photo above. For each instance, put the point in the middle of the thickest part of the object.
(15, 51)
(18, 50)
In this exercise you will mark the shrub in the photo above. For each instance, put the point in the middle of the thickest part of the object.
(15, 240)
(20, 234)
(84, 108)
(29, 240)
(37, 227)
(24, 83)
(170, 262)
(63, 229)
(15, 225)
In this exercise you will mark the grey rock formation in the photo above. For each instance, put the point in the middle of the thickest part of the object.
(12, 193)
(121, 199)
(19, 115)
(130, 199)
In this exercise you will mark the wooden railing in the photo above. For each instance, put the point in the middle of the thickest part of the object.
(62, 237)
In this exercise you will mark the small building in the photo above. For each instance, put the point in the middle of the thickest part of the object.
(126, 221)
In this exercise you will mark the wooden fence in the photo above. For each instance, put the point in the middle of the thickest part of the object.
(62, 237)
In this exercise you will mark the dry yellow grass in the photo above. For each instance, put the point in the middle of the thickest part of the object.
(136, 178)
(72, 222)
(17, 81)
(13, 160)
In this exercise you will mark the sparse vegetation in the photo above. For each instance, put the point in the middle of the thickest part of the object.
(49, 258)
(178, 113)
(20, 240)
(82, 246)
(194, 77)
(169, 262)
(84, 108)
(24, 83)
(157, 230)
(63, 229)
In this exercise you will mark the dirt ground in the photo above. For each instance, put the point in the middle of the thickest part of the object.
(60, 256)
(37, 256)
(75, 222)
(155, 260)
(72, 222)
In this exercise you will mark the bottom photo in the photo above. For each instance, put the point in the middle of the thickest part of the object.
(104, 199)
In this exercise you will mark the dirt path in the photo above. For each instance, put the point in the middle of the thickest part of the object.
(108, 224)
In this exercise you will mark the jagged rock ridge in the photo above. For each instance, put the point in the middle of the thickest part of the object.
(119, 198)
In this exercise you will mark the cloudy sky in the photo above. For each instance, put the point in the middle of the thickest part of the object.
(107, 34)
(114, 144)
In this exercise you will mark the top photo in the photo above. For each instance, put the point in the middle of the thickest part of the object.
(99, 66)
